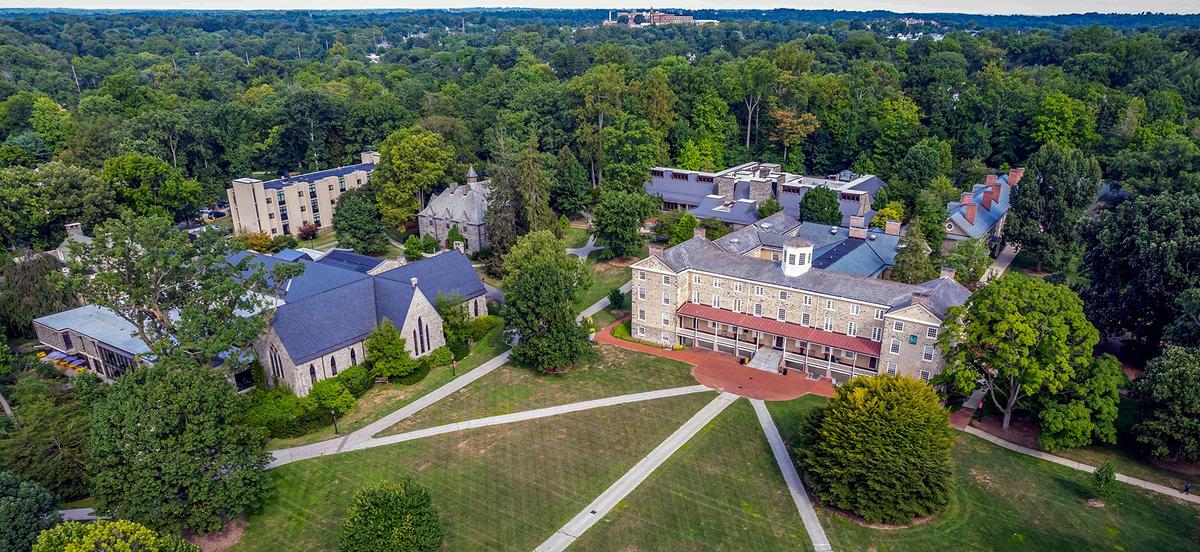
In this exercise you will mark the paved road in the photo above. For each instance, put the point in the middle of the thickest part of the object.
(604, 503)
(334, 446)
(527, 415)
(808, 515)
(1153, 487)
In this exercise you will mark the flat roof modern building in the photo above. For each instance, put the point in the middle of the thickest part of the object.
(281, 206)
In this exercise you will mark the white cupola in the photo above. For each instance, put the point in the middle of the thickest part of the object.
(797, 256)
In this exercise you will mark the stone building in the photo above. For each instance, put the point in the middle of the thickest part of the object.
(733, 195)
(981, 212)
(464, 206)
(787, 312)
(281, 206)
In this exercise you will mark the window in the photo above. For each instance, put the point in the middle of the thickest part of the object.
(783, 295)
(279, 196)
(791, 258)
(695, 278)
(758, 309)
(268, 201)
(876, 334)
(331, 187)
(852, 329)
(716, 301)
(641, 274)
(803, 259)
(666, 298)
(805, 319)
(927, 354)
(312, 373)
(891, 368)
(270, 216)
(718, 283)
(666, 280)
(333, 366)
(898, 325)
(299, 193)
(758, 290)
(641, 314)
(353, 359)
(925, 376)
(781, 315)
(274, 231)
(853, 309)
(808, 300)
(737, 286)
(931, 333)
(695, 296)
(641, 331)
(895, 348)
(341, 184)
(737, 305)
(828, 324)
(666, 337)
(879, 314)
(641, 294)
(712, 325)
(666, 319)
(829, 304)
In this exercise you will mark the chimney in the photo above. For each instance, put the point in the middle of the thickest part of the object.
(1015, 175)
(858, 232)
(460, 247)
(920, 298)
(858, 221)
(991, 179)
(74, 229)
(414, 282)
(698, 232)
(764, 172)
(948, 272)
(892, 228)
(988, 196)
(656, 249)
(965, 198)
(969, 214)
(371, 157)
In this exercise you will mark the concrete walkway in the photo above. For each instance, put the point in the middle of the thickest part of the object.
(86, 515)
(334, 446)
(1001, 264)
(527, 415)
(1152, 487)
(812, 525)
(607, 500)
(587, 249)
(602, 303)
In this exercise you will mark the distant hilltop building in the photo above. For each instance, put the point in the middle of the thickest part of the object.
(633, 19)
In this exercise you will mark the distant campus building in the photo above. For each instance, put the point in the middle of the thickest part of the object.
(981, 212)
(652, 17)
(464, 206)
(281, 206)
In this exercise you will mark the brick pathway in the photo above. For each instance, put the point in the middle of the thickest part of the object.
(722, 372)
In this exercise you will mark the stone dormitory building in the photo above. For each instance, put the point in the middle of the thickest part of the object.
(798, 296)
(281, 206)
(733, 195)
(319, 327)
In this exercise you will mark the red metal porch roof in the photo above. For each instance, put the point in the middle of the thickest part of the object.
(785, 329)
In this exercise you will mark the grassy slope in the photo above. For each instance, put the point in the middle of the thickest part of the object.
(499, 488)
(614, 371)
(1008, 501)
(605, 277)
(383, 399)
(722, 491)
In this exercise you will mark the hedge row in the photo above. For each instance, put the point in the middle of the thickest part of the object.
(283, 414)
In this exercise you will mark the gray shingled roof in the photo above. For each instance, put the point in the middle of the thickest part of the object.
(311, 177)
(465, 203)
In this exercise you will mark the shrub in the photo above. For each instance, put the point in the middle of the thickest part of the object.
(390, 517)
(386, 352)
(332, 395)
(1104, 481)
(439, 357)
(881, 449)
(106, 535)
(429, 244)
(413, 247)
(459, 349)
(616, 299)
(356, 380)
(307, 231)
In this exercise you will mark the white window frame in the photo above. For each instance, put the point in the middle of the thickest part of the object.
(641, 274)
(666, 280)
(805, 319)
(828, 324)
(783, 295)
(829, 304)
(925, 376)
(781, 314)
(717, 283)
(666, 298)
(851, 329)
(642, 314)
(879, 314)
(758, 291)
(931, 333)
(737, 305)
(894, 348)
(716, 301)
(808, 300)
(641, 294)
(876, 334)
(758, 309)
(695, 278)
(666, 319)
(891, 368)
(897, 326)
(927, 354)
(641, 331)
(853, 309)
(737, 286)
(696, 297)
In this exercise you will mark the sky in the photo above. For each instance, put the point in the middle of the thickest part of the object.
(1044, 7)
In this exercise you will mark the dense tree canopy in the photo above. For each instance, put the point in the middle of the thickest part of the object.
(26, 509)
(1168, 419)
(541, 284)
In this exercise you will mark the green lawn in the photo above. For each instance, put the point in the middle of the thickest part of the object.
(499, 488)
(1126, 462)
(605, 277)
(325, 240)
(721, 491)
(576, 237)
(1008, 501)
(508, 389)
(381, 400)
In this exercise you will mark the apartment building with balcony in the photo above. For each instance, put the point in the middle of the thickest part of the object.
(787, 313)
(281, 206)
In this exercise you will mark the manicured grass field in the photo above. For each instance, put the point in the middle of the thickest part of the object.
(325, 240)
(1126, 462)
(1008, 501)
(721, 491)
(614, 371)
(383, 399)
(605, 277)
(499, 488)
(576, 237)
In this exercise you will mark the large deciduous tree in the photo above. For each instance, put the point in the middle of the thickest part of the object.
(166, 450)
(881, 449)
(411, 162)
(913, 264)
(29, 289)
(184, 296)
(1048, 204)
(50, 444)
(820, 205)
(26, 509)
(1022, 336)
(618, 218)
(392, 517)
(358, 224)
(387, 354)
(541, 284)
(1141, 259)
(1168, 418)
(149, 185)
(1086, 410)
(970, 260)
(631, 149)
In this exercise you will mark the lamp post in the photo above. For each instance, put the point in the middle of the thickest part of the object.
(333, 414)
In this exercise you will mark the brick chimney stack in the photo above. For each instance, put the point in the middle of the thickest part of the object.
(858, 221)
(656, 249)
(699, 232)
(991, 179)
(1015, 175)
(74, 229)
(948, 272)
(965, 198)
(969, 214)
(892, 228)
